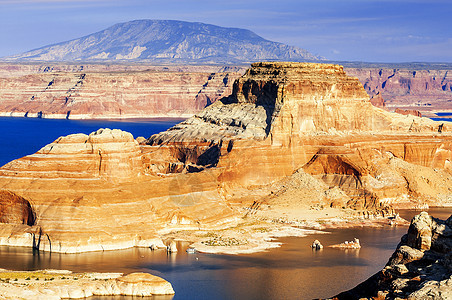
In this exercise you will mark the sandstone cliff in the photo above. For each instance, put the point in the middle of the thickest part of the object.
(110, 90)
(290, 135)
(425, 89)
(115, 91)
(420, 268)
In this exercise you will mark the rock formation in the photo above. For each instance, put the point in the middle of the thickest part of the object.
(377, 101)
(63, 284)
(420, 268)
(96, 91)
(408, 112)
(290, 135)
(424, 88)
(316, 245)
(348, 245)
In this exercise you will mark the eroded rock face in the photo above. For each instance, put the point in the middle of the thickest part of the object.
(108, 154)
(420, 268)
(63, 284)
(295, 134)
(426, 89)
(15, 209)
(408, 112)
(92, 91)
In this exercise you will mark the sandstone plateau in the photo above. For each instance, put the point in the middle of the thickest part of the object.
(426, 89)
(110, 91)
(290, 137)
(80, 91)
(420, 268)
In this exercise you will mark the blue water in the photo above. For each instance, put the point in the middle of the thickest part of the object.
(442, 119)
(293, 271)
(443, 114)
(24, 136)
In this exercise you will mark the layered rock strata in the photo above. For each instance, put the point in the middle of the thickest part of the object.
(79, 92)
(420, 268)
(290, 135)
(63, 284)
(425, 89)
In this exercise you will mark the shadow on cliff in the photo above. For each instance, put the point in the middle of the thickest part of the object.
(264, 94)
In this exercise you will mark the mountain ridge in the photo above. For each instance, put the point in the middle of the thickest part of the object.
(168, 41)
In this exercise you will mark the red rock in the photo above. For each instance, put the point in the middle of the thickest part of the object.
(281, 120)
(377, 100)
(79, 92)
(426, 90)
(405, 112)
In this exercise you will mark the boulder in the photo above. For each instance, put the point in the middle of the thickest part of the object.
(316, 245)
(414, 271)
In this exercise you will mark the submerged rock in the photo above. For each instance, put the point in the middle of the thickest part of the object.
(316, 245)
(348, 245)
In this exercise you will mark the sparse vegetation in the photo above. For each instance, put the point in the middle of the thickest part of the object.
(224, 241)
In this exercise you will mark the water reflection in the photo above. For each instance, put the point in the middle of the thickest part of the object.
(292, 271)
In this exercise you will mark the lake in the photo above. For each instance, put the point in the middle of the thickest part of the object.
(292, 271)
(24, 136)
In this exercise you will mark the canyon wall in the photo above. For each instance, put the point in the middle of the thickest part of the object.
(110, 91)
(425, 90)
(290, 134)
(139, 90)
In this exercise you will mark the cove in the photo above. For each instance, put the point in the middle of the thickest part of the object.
(293, 271)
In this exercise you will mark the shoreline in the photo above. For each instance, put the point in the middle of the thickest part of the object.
(447, 115)
(58, 284)
(255, 234)
(90, 117)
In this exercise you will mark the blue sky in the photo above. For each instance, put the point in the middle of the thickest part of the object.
(353, 30)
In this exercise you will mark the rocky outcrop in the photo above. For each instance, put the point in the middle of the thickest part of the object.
(290, 135)
(316, 118)
(378, 101)
(408, 112)
(420, 268)
(348, 245)
(62, 284)
(96, 91)
(15, 209)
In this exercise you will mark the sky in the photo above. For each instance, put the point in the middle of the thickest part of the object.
(340, 30)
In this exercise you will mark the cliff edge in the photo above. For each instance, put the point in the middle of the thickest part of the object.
(290, 137)
(420, 268)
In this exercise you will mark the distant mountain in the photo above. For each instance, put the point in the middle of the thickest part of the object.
(168, 41)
